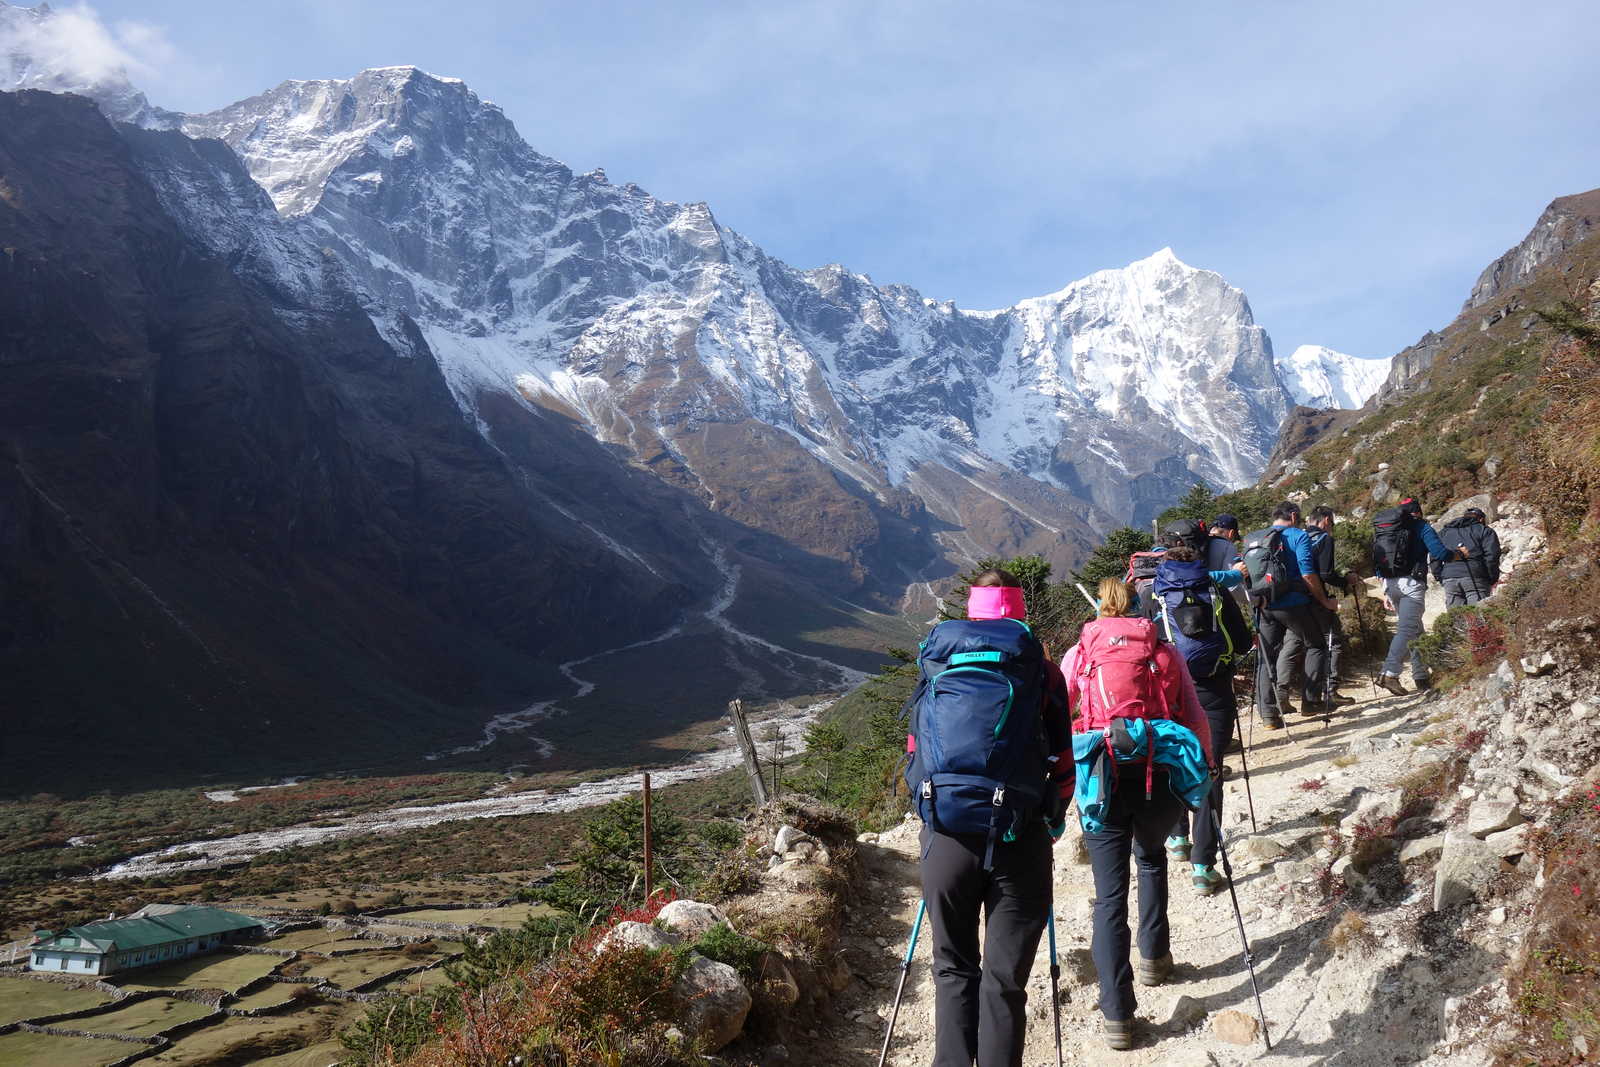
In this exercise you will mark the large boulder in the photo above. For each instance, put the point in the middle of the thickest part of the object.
(690, 918)
(714, 1002)
(1491, 815)
(1465, 868)
(631, 934)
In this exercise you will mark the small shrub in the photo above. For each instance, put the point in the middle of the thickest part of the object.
(1351, 933)
(742, 953)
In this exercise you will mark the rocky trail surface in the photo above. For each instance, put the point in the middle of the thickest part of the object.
(1327, 999)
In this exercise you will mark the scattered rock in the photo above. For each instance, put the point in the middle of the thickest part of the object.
(1235, 1027)
(788, 837)
(1416, 826)
(778, 983)
(715, 1003)
(1465, 867)
(838, 974)
(1186, 1012)
(1487, 816)
(690, 918)
(1422, 848)
(1264, 850)
(1546, 772)
(636, 935)
(1536, 666)
(1508, 843)
(867, 839)
(1498, 916)
(1293, 871)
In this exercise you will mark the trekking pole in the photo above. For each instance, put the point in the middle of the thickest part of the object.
(899, 991)
(1249, 956)
(1055, 978)
(1245, 763)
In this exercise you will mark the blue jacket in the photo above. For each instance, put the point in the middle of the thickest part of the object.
(1436, 551)
(1176, 749)
(1300, 560)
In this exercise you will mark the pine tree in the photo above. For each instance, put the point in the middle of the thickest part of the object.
(1110, 560)
(1199, 503)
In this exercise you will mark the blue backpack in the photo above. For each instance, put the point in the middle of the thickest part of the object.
(1195, 616)
(978, 762)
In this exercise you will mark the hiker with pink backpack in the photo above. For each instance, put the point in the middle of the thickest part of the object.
(1142, 749)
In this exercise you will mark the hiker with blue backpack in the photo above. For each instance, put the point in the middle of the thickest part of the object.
(1143, 751)
(1402, 545)
(1285, 587)
(990, 774)
(1194, 611)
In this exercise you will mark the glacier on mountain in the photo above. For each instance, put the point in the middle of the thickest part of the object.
(1318, 377)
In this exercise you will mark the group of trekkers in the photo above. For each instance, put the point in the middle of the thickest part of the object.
(1131, 728)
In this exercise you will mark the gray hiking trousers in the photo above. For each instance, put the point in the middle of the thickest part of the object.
(1406, 594)
(1463, 592)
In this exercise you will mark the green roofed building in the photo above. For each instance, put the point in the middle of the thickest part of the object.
(159, 933)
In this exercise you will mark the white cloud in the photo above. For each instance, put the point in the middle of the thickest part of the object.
(73, 49)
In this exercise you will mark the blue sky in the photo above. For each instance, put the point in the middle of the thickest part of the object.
(1351, 166)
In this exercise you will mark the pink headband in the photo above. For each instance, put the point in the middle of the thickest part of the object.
(995, 602)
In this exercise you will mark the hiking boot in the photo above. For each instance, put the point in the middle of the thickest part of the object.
(1208, 881)
(1339, 700)
(1312, 708)
(1286, 702)
(1271, 724)
(1152, 972)
(1119, 1034)
(1391, 683)
(1423, 685)
(1178, 848)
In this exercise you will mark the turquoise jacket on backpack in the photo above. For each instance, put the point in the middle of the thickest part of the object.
(1176, 748)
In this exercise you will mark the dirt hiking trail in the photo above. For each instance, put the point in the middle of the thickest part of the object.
(1375, 1003)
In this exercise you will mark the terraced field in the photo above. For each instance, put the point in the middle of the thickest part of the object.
(227, 972)
(144, 1018)
(29, 998)
(257, 1040)
(510, 916)
(23, 1047)
(347, 972)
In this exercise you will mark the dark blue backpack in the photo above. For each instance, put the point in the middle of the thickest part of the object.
(978, 761)
(1192, 614)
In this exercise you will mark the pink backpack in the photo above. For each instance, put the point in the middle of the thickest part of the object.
(1119, 678)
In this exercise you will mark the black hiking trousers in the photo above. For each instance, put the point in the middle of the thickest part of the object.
(1136, 828)
(1222, 709)
(981, 997)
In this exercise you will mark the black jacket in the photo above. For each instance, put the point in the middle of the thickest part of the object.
(1483, 547)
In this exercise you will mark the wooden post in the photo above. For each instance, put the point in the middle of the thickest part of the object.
(649, 860)
(747, 747)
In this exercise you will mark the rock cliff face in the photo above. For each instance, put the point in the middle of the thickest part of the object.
(234, 523)
(1566, 222)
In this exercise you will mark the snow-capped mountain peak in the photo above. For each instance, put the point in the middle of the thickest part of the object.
(71, 51)
(1319, 377)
